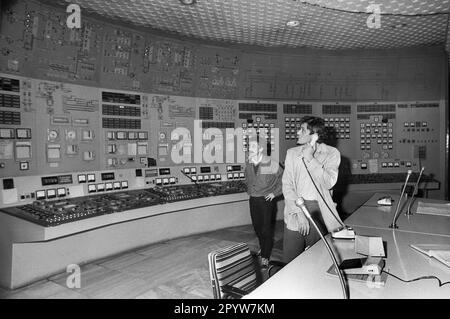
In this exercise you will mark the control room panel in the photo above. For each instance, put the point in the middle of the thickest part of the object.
(60, 139)
(107, 110)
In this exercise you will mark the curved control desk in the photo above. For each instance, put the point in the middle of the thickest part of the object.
(29, 252)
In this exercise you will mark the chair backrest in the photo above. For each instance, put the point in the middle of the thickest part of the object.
(232, 266)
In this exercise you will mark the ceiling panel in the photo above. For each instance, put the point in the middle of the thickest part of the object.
(326, 24)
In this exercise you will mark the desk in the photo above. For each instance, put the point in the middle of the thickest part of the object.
(306, 277)
(372, 215)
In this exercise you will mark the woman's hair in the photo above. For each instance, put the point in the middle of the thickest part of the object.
(316, 125)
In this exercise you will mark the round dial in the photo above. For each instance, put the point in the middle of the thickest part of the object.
(52, 134)
(71, 135)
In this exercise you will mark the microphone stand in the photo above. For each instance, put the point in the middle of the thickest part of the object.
(408, 211)
(301, 203)
(394, 220)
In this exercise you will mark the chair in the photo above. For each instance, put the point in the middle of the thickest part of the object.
(233, 271)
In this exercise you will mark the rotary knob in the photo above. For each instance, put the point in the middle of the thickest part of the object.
(52, 135)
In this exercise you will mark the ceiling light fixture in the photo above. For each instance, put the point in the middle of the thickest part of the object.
(293, 23)
(188, 2)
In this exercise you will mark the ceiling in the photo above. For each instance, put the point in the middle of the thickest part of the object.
(324, 24)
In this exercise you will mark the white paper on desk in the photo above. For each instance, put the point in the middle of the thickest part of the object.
(369, 246)
(434, 208)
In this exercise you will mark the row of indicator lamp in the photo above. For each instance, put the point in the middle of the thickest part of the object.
(51, 193)
(190, 170)
(166, 180)
(385, 147)
(415, 124)
(336, 119)
(82, 178)
(211, 177)
(236, 175)
(123, 135)
(245, 125)
(388, 164)
(92, 188)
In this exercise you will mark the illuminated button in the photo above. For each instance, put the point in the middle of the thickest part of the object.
(390, 164)
(390, 147)
(384, 164)
(363, 136)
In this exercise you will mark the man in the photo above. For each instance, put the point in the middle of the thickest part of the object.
(263, 178)
(311, 170)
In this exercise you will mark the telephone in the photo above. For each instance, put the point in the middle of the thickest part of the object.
(314, 138)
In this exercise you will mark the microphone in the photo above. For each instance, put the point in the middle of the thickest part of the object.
(394, 220)
(301, 204)
(408, 211)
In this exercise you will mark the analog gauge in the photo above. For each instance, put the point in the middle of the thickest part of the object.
(376, 155)
(52, 135)
(385, 155)
(162, 135)
(71, 135)
(366, 155)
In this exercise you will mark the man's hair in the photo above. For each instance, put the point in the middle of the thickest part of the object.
(316, 125)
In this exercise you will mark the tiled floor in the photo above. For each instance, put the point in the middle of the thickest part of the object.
(172, 269)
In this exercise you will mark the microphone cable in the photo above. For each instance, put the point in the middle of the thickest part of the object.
(440, 283)
(314, 183)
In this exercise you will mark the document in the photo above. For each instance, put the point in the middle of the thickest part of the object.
(369, 246)
(433, 209)
(438, 252)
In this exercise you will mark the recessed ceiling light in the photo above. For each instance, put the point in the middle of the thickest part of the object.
(293, 23)
(188, 2)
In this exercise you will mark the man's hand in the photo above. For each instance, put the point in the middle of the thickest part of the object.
(308, 152)
(269, 197)
(303, 224)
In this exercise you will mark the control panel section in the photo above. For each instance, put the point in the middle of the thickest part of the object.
(126, 142)
(17, 127)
